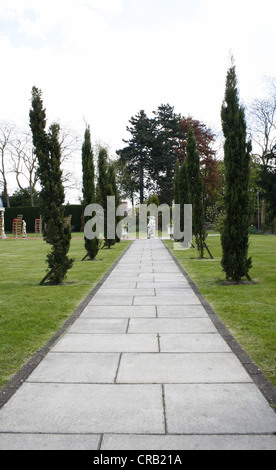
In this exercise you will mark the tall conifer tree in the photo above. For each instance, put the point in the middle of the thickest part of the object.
(195, 188)
(55, 229)
(115, 192)
(88, 189)
(183, 191)
(181, 195)
(234, 237)
(104, 190)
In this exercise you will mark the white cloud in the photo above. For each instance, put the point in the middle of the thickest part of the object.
(36, 17)
(112, 7)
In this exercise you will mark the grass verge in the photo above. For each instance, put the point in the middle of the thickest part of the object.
(31, 314)
(248, 311)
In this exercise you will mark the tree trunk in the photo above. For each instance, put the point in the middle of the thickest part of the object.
(6, 194)
(263, 216)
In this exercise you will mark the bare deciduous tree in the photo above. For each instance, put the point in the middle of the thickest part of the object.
(262, 125)
(7, 136)
(25, 163)
(70, 144)
(24, 160)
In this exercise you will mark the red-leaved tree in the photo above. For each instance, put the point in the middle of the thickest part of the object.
(209, 166)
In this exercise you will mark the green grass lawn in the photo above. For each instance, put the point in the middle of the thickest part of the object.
(31, 314)
(249, 311)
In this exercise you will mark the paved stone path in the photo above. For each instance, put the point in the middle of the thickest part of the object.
(142, 368)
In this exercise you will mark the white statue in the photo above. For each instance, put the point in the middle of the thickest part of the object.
(24, 230)
(151, 227)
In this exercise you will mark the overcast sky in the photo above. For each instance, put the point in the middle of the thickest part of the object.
(101, 61)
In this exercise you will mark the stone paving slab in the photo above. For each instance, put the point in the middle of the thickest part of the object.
(84, 408)
(77, 368)
(125, 270)
(171, 325)
(117, 284)
(107, 343)
(180, 293)
(193, 442)
(115, 300)
(178, 311)
(111, 292)
(121, 311)
(163, 261)
(181, 368)
(217, 409)
(128, 261)
(136, 442)
(96, 325)
(193, 343)
(170, 277)
(160, 285)
(49, 441)
(166, 269)
(188, 298)
(131, 277)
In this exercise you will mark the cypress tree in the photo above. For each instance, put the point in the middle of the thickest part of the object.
(88, 189)
(235, 233)
(113, 184)
(183, 191)
(104, 190)
(195, 188)
(56, 231)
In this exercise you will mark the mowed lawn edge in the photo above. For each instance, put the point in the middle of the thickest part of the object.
(30, 314)
(248, 310)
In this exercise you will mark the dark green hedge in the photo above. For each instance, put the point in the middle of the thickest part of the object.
(76, 212)
(29, 215)
(32, 213)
